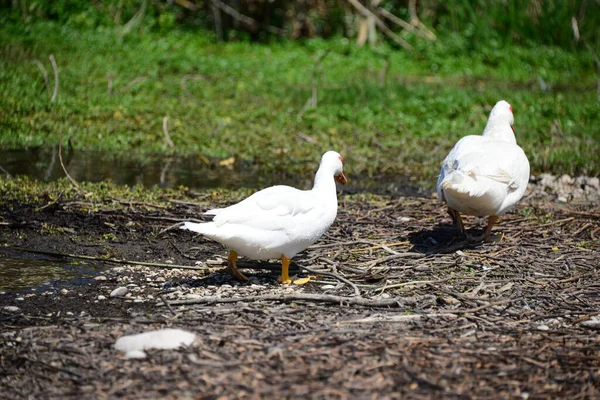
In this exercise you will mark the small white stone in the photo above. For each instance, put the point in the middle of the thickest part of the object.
(135, 354)
(64, 291)
(404, 219)
(100, 297)
(160, 279)
(138, 300)
(543, 328)
(118, 292)
(12, 308)
(20, 299)
(592, 323)
(327, 287)
(100, 278)
(69, 313)
(165, 339)
(562, 199)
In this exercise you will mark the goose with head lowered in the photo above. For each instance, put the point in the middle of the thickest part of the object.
(485, 175)
(276, 222)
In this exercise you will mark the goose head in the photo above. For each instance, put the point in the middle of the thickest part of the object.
(500, 123)
(331, 163)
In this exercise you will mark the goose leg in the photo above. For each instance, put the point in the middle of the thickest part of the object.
(492, 219)
(488, 230)
(285, 270)
(457, 220)
(232, 266)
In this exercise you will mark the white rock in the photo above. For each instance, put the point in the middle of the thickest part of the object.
(163, 339)
(20, 299)
(64, 291)
(404, 219)
(543, 328)
(327, 287)
(594, 182)
(100, 278)
(592, 323)
(135, 354)
(118, 292)
(12, 308)
(100, 297)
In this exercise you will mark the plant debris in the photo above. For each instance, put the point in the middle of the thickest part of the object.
(398, 305)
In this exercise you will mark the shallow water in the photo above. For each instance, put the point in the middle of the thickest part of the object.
(194, 172)
(19, 272)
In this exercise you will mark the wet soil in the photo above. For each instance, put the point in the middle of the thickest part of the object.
(399, 306)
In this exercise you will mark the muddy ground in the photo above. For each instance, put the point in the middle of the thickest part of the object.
(399, 306)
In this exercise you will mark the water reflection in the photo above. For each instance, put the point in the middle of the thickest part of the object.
(18, 273)
(194, 171)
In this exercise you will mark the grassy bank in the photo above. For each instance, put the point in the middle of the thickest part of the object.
(247, 100)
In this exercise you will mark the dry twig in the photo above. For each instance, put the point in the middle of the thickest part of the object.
(166, 133)
(55, 68)
(319, 298)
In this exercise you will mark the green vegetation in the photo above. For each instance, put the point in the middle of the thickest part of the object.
(246, 100)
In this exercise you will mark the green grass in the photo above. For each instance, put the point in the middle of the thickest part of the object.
(248, 97)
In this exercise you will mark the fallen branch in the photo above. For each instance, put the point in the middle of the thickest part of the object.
(483, 307)
(44, 73)
(69, 177)
(55, 68)
(371, 264)
(398, 318)
(418, 29)
(166, 132)
(247, 20)
(336, 276)
(113, 260)
(5, 171)
(382, 26)
(319, 298)
(139, 79)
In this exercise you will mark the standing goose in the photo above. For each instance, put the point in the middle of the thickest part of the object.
(276, 222)
(485, 175)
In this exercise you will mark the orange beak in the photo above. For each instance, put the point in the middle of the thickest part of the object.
(341, 178)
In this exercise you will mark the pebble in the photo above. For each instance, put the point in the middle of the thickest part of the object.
(64, 291)
(12, 308)
(160, 279)
(100, 278)
(543, 328)
(20, 299)
(404, 219)
(69, 313)
(138, 300)
(327, 287)
(593, 323)
(121, 291)
(100, 297)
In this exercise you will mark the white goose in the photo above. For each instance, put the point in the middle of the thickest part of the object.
(487, 174)
(277, 222)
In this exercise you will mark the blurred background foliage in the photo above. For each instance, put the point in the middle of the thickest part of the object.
(398, 81)
(470, 24)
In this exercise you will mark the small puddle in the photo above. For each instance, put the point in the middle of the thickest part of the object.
(19, 273)
(191, 171)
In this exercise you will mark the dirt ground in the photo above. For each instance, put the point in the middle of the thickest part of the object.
(399, 306)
